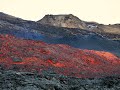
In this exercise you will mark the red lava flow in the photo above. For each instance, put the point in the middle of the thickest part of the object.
(29, 55)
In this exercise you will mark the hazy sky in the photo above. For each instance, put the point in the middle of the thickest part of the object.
(102, 11)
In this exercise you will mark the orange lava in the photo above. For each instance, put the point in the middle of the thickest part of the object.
(55, 64)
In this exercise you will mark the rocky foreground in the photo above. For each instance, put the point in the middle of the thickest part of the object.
(12, 80)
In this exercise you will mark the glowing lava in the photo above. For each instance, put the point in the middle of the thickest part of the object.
(29, 55)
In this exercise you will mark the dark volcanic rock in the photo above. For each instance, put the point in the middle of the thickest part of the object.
(16, 59)
(12, 80)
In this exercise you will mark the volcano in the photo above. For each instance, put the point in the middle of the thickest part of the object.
(58, 52)
(37, 56)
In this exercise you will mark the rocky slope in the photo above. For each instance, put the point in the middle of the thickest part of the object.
(37, 56)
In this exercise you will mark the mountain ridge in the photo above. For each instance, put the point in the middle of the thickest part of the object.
(71, 21)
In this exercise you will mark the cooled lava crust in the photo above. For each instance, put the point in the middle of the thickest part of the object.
(37, 56)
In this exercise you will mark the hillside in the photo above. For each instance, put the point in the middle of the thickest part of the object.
(71, 21)
(78, 38)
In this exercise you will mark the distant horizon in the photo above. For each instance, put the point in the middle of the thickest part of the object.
(100, 11)
(58, 14)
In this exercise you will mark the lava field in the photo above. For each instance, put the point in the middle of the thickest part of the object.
(37, 56)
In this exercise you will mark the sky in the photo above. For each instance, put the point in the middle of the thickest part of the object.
(101, 11)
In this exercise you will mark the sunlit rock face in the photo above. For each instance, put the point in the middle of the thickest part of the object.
(69, 21)
(37, 56)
